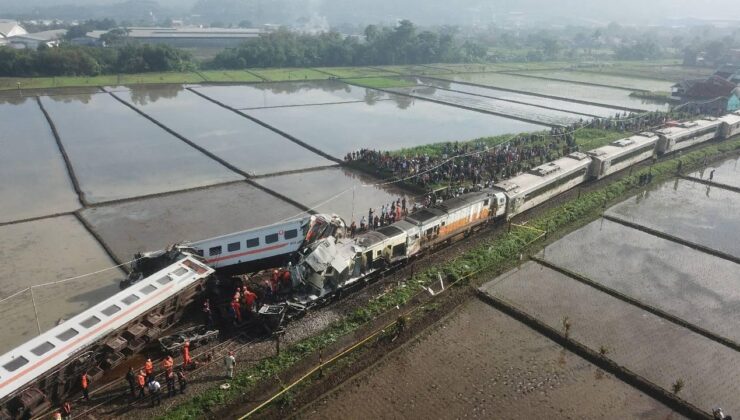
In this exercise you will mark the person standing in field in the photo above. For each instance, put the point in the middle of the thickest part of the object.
(230, 363)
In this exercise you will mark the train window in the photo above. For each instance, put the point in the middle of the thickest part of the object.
(90, 322)
(234, 246)
(148, 289)
(43, 348)
(199, 252)
(15, 364)
(67, 334)
(251, 243)
(290, 234)
(180, 272)
(487, 202)
(216, 250)
(130, 299)
(111, 310)
(164, 280)
(271, 239)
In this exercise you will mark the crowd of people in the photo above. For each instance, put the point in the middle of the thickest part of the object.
(477, 163)
(386, 215)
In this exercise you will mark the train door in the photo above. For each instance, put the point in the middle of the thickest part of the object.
(369, 259)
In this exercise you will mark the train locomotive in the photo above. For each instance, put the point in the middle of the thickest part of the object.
(321, 259)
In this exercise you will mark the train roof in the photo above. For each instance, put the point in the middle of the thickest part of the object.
(689, 127)
(271, 227)
(373, 237)
(732, 118)
(544, 174)
(624, 146)
(424, 215)
(39, 355)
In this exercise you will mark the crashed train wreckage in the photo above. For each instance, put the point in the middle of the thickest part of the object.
(316, 252)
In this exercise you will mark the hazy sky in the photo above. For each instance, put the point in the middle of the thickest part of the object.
(460, 11)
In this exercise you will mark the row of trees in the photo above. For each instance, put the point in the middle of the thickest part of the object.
(383, 45)
(69, 60)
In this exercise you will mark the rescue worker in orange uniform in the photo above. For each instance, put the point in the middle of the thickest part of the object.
(149, 370)
(141, 381)
(168, 363)
(186, 360)
(85, 382)
(285, 281)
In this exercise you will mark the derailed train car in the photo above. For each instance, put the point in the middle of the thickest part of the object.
(47, 369)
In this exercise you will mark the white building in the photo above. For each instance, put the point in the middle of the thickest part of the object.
(9, 28)
(32, 41)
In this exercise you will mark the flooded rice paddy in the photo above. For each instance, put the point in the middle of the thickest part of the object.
(385, 125)
(152, 224)
(35, 180)
(313, 189)
(232, 137)
(690, 210)
(726, 172)
(699, 288)
(568, 106)
(625, 82)
(117, 153)
(595, 94)
(644, 343)
(45, 251)
(269, 95)
(496, 106)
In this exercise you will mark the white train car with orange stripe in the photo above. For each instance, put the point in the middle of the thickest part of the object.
(48, 368)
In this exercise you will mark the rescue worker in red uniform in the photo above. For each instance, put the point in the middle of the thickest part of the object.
(237, 310)
(250, 297)
(186, 360)
(285, 281)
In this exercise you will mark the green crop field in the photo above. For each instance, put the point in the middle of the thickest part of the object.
(288, 74)
(229, 76)
(380, 82)
(353, 72)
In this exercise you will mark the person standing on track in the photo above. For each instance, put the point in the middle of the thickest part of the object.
(85, 382)
(168, 363)
(186, 360)
(154, 391)
(207, 316)
(131, 379)
(142, 384)
(230, 363)
(182, 380)
(66, 410)
(149, 370)
(170, 378)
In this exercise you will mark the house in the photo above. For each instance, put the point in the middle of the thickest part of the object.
(9, 28)
(729, 72)
(713, 95)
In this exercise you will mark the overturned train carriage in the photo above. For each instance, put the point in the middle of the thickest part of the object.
(47, 369)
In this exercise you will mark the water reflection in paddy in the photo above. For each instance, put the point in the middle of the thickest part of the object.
(726, 172)
(234, 138)
(689, 210)
(692, 285)
(564, 105)
(264, 95)
(117, 153)
(313, 189)
(596, 94)
(386, 125)
(35, 180)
